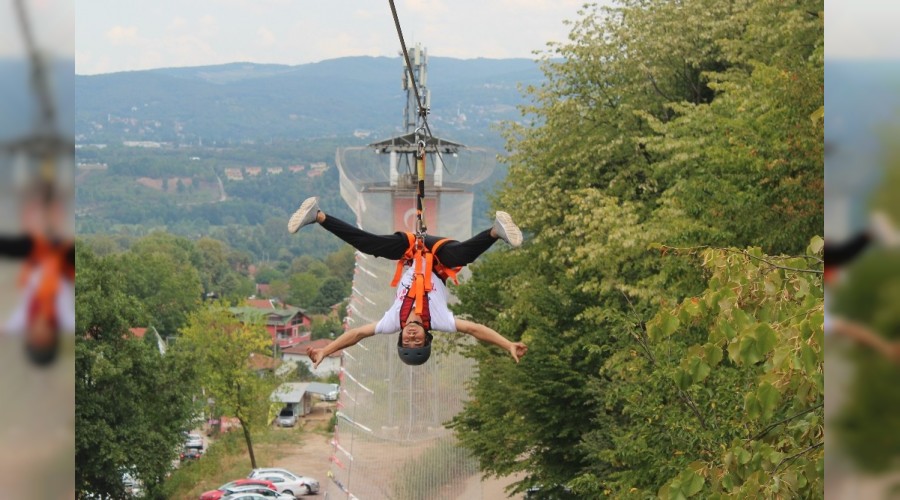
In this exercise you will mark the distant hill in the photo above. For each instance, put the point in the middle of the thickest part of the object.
(19, 103)
(245, 101)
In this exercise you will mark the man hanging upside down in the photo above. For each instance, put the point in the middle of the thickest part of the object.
(47, 308)
(414, 341)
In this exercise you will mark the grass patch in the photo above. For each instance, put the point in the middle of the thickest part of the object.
(441, 464)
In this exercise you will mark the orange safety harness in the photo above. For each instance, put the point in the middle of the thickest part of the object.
(53, 259)
(424, 262)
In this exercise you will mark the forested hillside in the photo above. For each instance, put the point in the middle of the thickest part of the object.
(155, 147)
(670, 288)
(235, 103)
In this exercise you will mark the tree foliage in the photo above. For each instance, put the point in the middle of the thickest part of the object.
(161, 271)
(689, 124)
(223, 347)
(133, 403)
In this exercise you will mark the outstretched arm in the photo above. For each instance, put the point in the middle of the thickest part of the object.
(347, 339)
(864, 336)
(485, 334)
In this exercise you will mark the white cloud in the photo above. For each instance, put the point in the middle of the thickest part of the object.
(209, 26)
(265, 37)
(540, 5)
(122, 35)
(427, 7)
(178, 24)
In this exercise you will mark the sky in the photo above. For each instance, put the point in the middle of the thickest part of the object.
(52, 23)
(120, 35)
(862, 29)
(123, 35)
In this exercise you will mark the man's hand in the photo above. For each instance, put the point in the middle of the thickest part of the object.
(894, 354)
(315, 355)
(517, 350)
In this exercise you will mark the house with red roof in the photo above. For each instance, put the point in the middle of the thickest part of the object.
(261, 363)
(287, 325)
(140, 333)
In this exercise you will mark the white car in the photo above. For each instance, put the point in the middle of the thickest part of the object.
(133, 485)
(193, 441)
(333, 394)
(287, 417)
(286, 481)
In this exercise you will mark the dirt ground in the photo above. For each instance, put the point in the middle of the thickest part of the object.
(311, 455)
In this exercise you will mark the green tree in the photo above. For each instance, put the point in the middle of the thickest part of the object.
(268, 274)
(304, 289)
(693, 129)
(747, 355)
(223, 347)
(331, 292)
(279, 289)
(311, 265)
(161, 271)
(218, 273)
(133, 402)
(325, 327)
(342, 263)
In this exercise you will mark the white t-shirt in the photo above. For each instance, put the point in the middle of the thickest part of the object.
(441, 318)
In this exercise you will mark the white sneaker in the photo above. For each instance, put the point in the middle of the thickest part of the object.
(507, 230)
(305, 215)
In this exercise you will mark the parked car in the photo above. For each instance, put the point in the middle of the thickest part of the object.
(221, 491)
(193, 440)
(133, 485)
(190, 453)
(333, 394)
(261, 491)
(286, 481)
(287, 417)
(258, 495)
(558, 492)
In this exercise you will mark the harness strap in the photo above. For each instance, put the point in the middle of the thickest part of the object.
(421, 279)
(424, 261)
(52, 259)
(442, 270)
(407, 257)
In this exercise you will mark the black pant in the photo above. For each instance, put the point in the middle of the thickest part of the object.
(392, 246)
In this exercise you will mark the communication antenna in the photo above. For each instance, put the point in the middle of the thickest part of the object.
(418, 56)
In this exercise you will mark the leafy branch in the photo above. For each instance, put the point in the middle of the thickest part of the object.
(797, 455)
(745, 253)
(788, 419)
(642, 340)
(777, 266)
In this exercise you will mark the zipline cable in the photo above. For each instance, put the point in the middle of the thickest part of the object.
(38, 76)
(421, 227)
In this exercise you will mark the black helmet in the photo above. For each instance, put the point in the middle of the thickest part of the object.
(414, 355)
